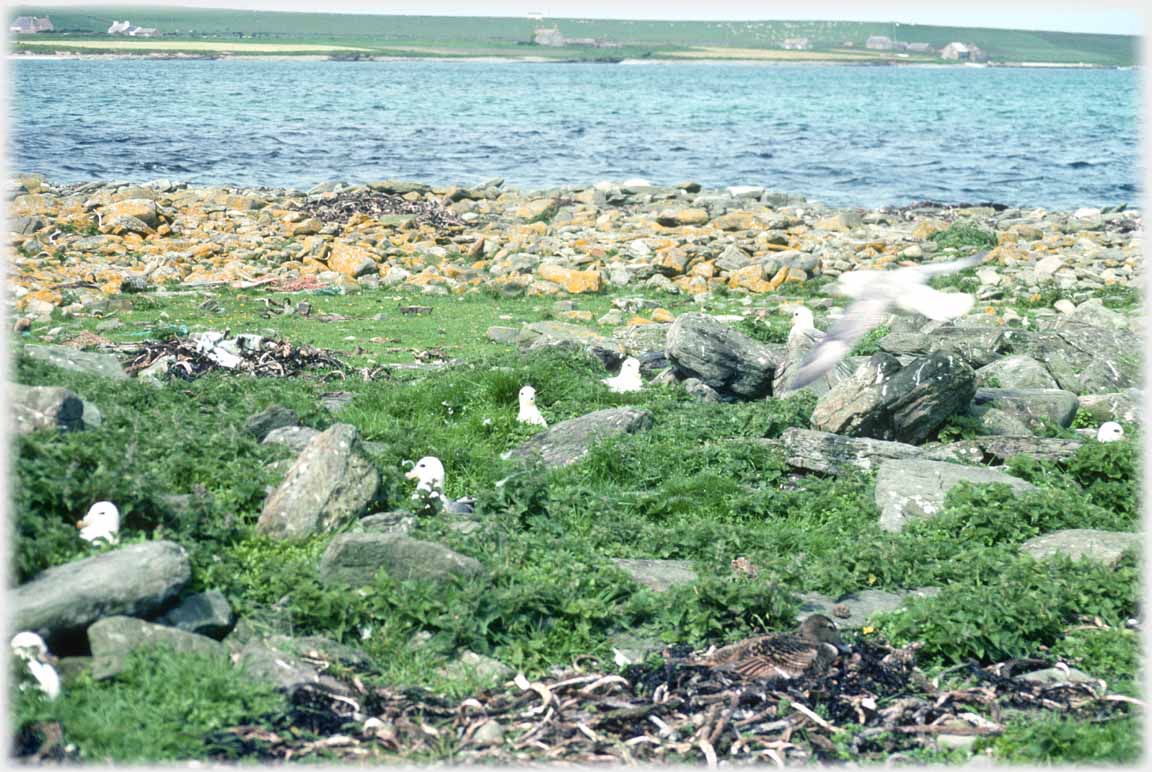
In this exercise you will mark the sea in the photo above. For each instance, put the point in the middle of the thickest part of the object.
(863, 136)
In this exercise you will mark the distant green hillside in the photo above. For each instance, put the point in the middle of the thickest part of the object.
(484, 32)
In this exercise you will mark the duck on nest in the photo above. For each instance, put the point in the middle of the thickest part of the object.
(102, 523)
(529, 413)
(809, 651)
(429, 472)
(30, 648)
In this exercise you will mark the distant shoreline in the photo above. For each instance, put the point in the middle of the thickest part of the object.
(15, 56)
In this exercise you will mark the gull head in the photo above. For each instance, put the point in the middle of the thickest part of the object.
(527, 396)
(429, 472)
(29, 646)
(101, 522)
(630, 368)
(802, 318)
(1109, 431)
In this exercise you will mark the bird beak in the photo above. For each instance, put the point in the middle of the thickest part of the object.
(81, 523)
(411, 474)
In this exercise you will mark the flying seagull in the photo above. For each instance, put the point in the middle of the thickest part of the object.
(874, 292)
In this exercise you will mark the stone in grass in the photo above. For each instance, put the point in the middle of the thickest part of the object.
(855, 609)
(355, 559)
(1015, 372)
(45, 407)
(1032, 407)
(113, 638)
(569, 441)
(1079, 543)
(285, 670)
(658, 575)
(272, 417)
(730, 362)
(134, 580)
(86, 362)
(295, 438)
(205, 613)
(908, 489)
(331, 482)
(472, 665)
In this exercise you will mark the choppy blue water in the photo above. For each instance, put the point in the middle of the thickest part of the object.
(848, 136)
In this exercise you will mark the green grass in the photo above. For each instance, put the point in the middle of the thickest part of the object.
(637, 37)
(699, 486)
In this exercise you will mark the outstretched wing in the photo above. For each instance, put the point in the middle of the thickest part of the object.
(860, 317)
(929, 270)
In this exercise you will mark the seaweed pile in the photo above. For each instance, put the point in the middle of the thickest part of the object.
(188, 358)
(872, 704)
(341, 207)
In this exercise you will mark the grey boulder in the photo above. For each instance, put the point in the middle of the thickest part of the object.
(730, 362)
(113, 638)
(295, 438)
(1031, 407)
(569, 441)
(272, 417)
(1015, 372)
(1079, 543)
(45, 407)
(658, 575)
(136, 580)
(330, 483)
(68, 358)
(834, 454)
(909, 489)
(355, 559)
(205, 613)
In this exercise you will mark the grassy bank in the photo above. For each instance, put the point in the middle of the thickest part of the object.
(513, 36)
(698, 487)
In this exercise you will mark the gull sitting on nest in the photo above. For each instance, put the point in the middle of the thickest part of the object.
(102, 523)
(628, 378)
(874, 292)
(529, 413)
(1109, 431)
(429, 472)
(31, 649)
(802, 338)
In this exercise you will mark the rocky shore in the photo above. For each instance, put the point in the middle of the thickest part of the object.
(76, 244)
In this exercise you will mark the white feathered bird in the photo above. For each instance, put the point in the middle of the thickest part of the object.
(102, 523)
(31, 649)
(628, 379)
(429, 474)
(529, 413)
(874, 293)
(803, 336)
(1109, 431)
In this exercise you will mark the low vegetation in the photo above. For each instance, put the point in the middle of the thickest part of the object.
(699, 486)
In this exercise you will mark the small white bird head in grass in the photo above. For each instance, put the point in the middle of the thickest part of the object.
(529, 413)
(30, 648)
(628, 379)
(102, 523)
(429, 474)
(1109, 431)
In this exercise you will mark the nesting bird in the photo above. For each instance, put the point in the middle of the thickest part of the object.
(874, 292)
(102, 523)
(803, 336)
(1109, 431)
(529, 413)
(429, 474)
(30, 648)
(628, 379)
(782, 655)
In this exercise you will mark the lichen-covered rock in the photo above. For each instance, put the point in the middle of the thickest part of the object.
(730, 362)
(569, 441)
(909, 489)
(1083, 359)
(332, 482)
(570, 279)
(356, 558)
(886, 401)
(828, 453)
(134, 580)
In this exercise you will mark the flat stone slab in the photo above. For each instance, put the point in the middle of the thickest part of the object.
(135, 580)
(982, 450)
(658, 575)
(87, 362)
(909, 489)
(355, 559)
(113, 638)
(855, 609)
(1078, 543)
(834, 454)
(569, 441)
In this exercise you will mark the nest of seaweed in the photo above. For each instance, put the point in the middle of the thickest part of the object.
(872, 704)
(341, 207)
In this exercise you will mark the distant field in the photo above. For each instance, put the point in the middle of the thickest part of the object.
(189, 45)
(719, 52)
(656, 38)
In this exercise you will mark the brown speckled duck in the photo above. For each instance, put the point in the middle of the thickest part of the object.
(781, 655)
